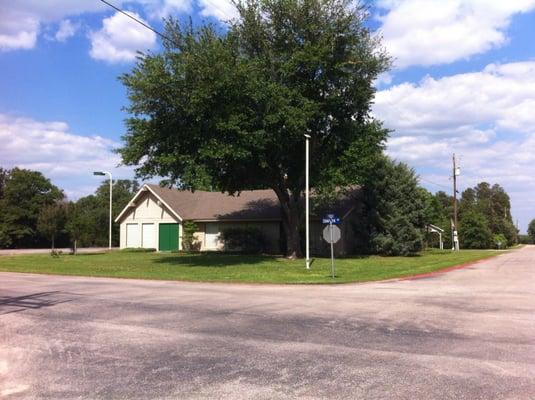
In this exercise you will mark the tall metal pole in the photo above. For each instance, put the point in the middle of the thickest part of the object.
(104, 173)
(307, 202)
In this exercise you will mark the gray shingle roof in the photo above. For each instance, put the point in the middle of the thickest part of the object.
(201, 205)
(258, 205)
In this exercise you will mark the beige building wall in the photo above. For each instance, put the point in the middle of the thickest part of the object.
(208, 229)
(147, 210)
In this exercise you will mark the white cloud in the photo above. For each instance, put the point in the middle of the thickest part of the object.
(498, 97)
(223, 10)
(66, 30)
(49, 147)
(120, 39)
(159, 9)
(430, 32)
(486, 117)
(21, 21)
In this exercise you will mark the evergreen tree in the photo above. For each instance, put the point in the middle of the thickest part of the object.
(394, 207)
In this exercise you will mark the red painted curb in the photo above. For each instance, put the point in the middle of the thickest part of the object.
(441, 271)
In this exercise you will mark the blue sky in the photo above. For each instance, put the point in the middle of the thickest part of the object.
(463, 81)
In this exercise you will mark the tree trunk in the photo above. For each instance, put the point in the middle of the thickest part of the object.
(291, 217)
(52, 243)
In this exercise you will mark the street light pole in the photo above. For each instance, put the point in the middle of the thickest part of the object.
(103, 173)
(307, 201)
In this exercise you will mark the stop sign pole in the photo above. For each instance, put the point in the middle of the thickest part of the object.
(331, 236)
(333, 271)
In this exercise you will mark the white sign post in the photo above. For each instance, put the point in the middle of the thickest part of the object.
(332, 234)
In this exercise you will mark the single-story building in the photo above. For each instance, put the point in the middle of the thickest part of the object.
(154, 218)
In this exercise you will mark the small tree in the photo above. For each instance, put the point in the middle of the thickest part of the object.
(78, 222)
(188, 236)
(51, 221)
(531, 230)
(499, 241)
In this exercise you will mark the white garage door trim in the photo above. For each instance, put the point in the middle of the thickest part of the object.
(148, 236)
(132, 235)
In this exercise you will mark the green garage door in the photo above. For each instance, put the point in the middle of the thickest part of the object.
(168, 237)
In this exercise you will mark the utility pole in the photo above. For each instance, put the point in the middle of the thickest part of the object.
(456, 172)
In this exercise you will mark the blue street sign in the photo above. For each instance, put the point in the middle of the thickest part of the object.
(331, 219)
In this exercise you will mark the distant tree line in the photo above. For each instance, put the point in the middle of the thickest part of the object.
(36, 213)
(394, 212)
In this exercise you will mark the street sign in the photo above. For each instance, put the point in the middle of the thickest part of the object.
(331, 219)
(336, 234)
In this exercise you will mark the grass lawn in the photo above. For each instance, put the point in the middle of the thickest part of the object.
(236, 268)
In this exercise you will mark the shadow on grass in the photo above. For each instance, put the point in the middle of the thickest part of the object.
(214, 260)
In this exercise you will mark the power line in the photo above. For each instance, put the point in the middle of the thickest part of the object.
(138, 21)
(434, 183)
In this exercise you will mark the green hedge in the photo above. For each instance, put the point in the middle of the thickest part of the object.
(247, 240)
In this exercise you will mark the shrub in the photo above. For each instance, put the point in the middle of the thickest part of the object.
(137, 250)
(500, 241)
(188, 236)
(247, 240)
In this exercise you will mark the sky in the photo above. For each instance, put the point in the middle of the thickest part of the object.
(462, 81)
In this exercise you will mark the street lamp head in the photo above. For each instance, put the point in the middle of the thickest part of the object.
(99, 173)
(307, 136)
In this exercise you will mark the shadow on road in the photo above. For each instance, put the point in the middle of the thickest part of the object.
(11, 304)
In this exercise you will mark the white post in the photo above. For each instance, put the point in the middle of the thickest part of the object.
(307, 202)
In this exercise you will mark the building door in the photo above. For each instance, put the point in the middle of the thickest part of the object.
(168, 240)
(148, 236)
(132, 235)
(211, 235)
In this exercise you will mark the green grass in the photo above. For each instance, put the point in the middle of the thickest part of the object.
(236, 268)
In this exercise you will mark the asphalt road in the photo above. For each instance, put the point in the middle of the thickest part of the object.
(467, 334)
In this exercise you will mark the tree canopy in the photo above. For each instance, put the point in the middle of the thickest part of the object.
(231, 107)
(23, 194)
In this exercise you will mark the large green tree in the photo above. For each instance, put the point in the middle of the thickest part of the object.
(24, 194)
(232, 105)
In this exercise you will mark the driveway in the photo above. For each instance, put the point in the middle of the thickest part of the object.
(467, 334)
